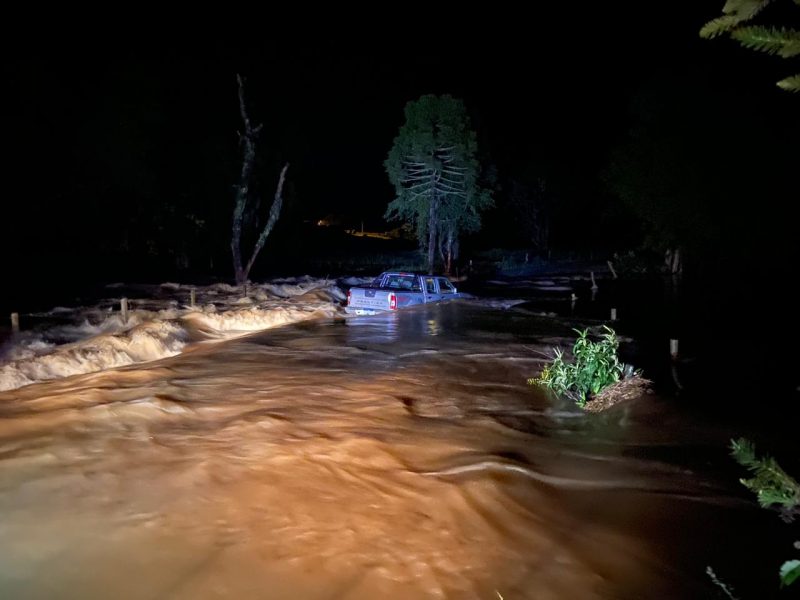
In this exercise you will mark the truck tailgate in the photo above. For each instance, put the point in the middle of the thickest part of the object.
(370, 299)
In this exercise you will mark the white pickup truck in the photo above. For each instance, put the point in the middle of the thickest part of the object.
(391, 291)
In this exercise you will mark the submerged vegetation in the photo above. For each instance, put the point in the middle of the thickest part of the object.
(774, 488)
(596, 366)
(770, 483)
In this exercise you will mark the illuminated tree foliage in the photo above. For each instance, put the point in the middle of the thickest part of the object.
(736, 22)
(433, 167)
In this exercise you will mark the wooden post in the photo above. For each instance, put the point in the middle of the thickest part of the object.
(613, 314)
(192, 297)
(15, 322)
(673, 348)
(123, 309)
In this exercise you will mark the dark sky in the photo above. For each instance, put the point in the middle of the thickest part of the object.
(133, 133)
(332, 103)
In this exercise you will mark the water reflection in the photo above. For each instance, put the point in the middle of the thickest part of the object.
(384, 328)
(376, 329)
(433, 327)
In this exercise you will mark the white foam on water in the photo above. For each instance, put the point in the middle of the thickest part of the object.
(149, 341)
(99, 339)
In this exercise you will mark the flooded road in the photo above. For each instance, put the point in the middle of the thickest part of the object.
(395, 456)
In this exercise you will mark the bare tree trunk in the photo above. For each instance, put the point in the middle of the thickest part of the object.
(543, 236)
(274, 212)
(450, 248)
(440, 245)
(248, 142)
(432, 224)
(672, 259)
(431, 237)
(677, 263)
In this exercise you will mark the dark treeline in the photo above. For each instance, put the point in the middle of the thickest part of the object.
(122, 166)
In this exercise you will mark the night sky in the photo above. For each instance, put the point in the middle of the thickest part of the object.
(122, 153)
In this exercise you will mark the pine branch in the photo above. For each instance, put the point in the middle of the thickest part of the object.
(745, 9)
(783, 42)
(744, 452)
(735, 12)
(454, 167)
(724, 587)
(424, 184)
(770, 483)
(790, 84)
(718, 26)
(450, 188)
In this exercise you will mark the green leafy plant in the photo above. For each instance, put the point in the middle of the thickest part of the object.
(596, 366)
(773, 487)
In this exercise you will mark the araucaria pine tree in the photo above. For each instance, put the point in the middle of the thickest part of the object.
(434, 168)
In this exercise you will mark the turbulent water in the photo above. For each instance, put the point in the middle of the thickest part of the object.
(395, 456)
(158, 325)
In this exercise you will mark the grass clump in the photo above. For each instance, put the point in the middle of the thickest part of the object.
(595, 367)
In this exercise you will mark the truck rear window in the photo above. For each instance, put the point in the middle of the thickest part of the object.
(402, 282)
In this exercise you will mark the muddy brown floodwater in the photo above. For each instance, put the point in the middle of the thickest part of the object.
(396, 456)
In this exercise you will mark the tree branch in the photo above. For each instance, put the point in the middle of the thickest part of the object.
(274, 212)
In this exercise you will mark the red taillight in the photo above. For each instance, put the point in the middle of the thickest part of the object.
(392, 302)
(348, 297)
